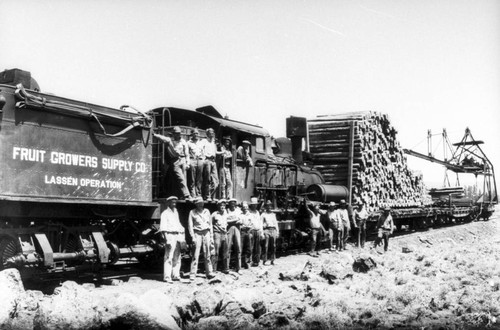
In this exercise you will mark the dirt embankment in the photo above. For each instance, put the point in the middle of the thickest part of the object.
(446, 278)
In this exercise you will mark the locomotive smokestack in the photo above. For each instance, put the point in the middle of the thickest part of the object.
(296, 130)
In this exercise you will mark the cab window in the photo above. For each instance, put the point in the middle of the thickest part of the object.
(260, 146)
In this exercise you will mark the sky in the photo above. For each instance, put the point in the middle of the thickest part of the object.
(428, 64)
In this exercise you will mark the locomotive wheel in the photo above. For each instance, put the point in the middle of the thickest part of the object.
(9, 247)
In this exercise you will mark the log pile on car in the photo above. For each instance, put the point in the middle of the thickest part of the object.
(380, 175)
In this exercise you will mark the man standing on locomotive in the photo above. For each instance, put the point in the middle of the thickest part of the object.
(210, 177)
(243, 153)
(196, 168)
(174, 236)
(178, 159)
(226, 182)
(233, 232)
(201, 232)
(271, 232)
(219, 229)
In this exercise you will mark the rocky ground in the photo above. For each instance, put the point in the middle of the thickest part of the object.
(446, 278)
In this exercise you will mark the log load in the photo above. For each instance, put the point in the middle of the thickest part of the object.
(360, 150)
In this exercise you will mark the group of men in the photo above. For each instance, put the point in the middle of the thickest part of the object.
(246, 231)
(193, 163)
(242, 229)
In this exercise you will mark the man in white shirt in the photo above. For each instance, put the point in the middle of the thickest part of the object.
(360, 217)
(196, 169)
(174, 235)
(257, 231)
(210, 177)
(233, 232)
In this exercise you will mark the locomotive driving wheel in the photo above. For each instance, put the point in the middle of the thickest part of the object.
(9, 247)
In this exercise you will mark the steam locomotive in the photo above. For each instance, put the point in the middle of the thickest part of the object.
(82, 186)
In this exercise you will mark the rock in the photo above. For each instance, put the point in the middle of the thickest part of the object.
(274, 320)
(298, 273)
(116, 282)
(215, 280)
(12, 289)
(333, 270)
(237, 319)
(250, 301)
(134, 279)
(71, 307)
(406, 249)
(153, 310)
(213, 322)
(259, 309)
(363, 264)
(207, 301)
(88, 286)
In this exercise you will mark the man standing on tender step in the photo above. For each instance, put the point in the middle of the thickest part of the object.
(196, 168)
(219, 228)
(210, 177)
(233, 232)
(174, 236)
(201, 233)
(385, 228)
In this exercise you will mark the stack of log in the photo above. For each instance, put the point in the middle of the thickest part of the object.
(380, 175)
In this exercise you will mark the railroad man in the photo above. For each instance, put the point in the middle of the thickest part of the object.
(196, 169)
(315, 226)
(226, 182)
(344, 216)
(173, 233)
(200, 231)
(246, 237)
(243, 153)
(233, 232)
(210, 177)
(219, 232)
(335, 227)
(271, 232)
(385, 228)
(257, 231)
(178, 159)
(360, 217)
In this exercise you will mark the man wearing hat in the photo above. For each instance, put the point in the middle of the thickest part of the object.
(196, 169)
(344, 216)
(174, 236)
(246, 237)
(233, 232)
(200, 231)
(257, 231)
(219, 229)
(226, 182)
(316, 226)
(180, 163)
(360, 217)
(385, 227)
(271, 232)
(335, 227)
(243, 153)
(210, 177)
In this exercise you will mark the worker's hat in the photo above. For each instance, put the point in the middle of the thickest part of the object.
(172, 198)
(227, 138)
(177, 129)
(221, 201)
(198, 200)
(233, 200)
(254, 201)
(246, 142)
(194, 131)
